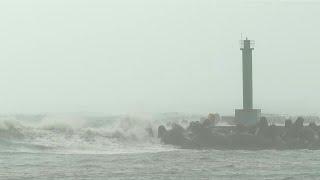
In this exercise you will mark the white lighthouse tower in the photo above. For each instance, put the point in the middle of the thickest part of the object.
(247, 115)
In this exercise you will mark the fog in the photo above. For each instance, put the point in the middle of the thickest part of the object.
(122, 56)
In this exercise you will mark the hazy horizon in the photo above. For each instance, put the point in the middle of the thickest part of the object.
(122, 56)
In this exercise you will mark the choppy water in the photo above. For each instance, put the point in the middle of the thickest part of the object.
(177, 164)
(52, 147)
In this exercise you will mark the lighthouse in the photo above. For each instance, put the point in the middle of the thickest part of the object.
(247, 115)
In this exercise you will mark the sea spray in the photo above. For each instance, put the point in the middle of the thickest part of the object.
(80, 134)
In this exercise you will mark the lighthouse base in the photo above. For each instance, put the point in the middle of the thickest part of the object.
(247, 116)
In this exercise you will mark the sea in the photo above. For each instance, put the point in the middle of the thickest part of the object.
(68, 147)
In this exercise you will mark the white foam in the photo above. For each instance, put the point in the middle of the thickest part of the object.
(74, 134)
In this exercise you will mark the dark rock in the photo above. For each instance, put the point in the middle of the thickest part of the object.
(260, 136)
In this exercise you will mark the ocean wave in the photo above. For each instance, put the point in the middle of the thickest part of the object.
(71, 134)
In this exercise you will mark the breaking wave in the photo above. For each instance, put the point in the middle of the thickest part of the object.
(76, 134)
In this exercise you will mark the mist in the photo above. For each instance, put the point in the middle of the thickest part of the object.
(121, 56)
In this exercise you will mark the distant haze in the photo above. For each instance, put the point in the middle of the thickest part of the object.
(120, 56)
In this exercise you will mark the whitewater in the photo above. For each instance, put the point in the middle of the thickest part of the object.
(127, 147)
(65, 134)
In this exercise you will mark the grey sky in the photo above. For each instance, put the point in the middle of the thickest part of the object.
(120, 56)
